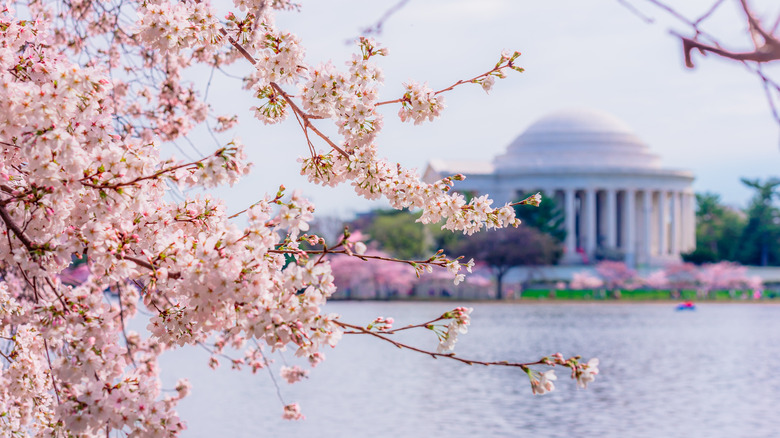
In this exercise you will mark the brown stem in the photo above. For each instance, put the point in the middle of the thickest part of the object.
(460, 82)
(766, 53)
(362, 330)
(16, 230)
(306, 117)
(363, 257)
(122, 321)
(51, 371)
(149, 266)
(306, 123)
(152, 176)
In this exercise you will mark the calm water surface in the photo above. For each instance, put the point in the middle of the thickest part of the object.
(713, 372)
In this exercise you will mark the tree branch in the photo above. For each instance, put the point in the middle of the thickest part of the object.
(362, 330)
(31, 246)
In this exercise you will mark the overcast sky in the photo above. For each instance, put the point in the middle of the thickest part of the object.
(713, 120)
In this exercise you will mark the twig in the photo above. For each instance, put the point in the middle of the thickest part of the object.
(460, 82)
(358, 329)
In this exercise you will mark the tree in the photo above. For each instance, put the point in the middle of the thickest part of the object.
(760, 241)
(354, 276)
(725, 276)
(89, 92)
(402, 235)
(548, 218)
(399, 233)
(718, 230)
(505, 249)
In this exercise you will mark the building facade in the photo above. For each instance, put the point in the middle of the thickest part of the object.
(616, 196)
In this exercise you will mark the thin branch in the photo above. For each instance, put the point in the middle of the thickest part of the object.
(152, 176)
(122, 321)
(499, 67)
(51, 371)
(149, 266)
(637, 12)
(306, 123)
(376, 28)
(707, 14)
(361, 330)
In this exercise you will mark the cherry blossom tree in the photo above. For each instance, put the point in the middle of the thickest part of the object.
(617, 276)
(679, 277)
(726, 276)
(89, 91)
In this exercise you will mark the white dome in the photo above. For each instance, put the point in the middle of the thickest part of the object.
(579, 139)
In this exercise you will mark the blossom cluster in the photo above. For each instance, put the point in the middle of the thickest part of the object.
(459, 324)
(582, 373)
(293, 374)
(420, 103)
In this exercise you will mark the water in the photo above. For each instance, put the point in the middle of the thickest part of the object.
(712, 372)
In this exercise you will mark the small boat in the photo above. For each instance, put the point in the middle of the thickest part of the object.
(687, 305)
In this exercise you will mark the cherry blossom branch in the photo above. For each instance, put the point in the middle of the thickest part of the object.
(122, 321)
(362, 330)
(148, 177)
(298, 111)
(508, 63)
(51, 371)
(306, 122)
(435, 260)
(149, 266)
(413, 326)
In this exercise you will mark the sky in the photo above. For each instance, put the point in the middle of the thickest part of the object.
(713, 120)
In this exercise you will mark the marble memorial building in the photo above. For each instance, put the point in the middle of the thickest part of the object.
(615, 195)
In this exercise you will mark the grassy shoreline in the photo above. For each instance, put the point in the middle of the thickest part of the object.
(601, 296)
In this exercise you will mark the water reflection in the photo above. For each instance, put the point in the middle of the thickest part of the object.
(711, 372)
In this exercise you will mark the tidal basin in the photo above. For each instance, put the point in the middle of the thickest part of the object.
(663, 373)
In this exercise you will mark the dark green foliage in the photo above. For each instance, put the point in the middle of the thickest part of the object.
(547, 217)
(760, 240)
(700, 256)
(718, 231)
(399, 234)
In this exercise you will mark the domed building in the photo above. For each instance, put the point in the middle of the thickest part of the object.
(616, 196)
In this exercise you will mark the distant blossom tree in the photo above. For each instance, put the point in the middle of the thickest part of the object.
(726, 276)
(617, 276)
(679, 277)
(88, 91)
(505, 249)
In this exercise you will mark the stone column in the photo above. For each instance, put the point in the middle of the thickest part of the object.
(571, 236)
(590, 220)
(662, 239)
(690, 216)
(611, 218)
(647, 233)
(674, 247)
(630, 216)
